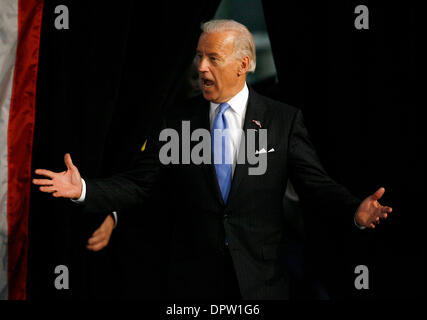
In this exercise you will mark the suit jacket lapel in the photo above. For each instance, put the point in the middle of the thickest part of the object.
(254, 111)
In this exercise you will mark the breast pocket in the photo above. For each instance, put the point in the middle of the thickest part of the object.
(265, 163)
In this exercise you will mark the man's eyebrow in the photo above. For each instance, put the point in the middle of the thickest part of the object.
(210, 54)
(213, 54)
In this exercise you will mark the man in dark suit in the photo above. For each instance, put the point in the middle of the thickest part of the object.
(229, 230)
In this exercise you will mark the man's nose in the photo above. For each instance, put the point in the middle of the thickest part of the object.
(203, 65)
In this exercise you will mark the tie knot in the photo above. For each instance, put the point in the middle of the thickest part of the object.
(223, 107)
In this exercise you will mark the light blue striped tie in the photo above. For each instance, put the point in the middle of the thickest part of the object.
(222, 151)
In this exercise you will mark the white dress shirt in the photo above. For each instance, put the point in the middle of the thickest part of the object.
(235, 116)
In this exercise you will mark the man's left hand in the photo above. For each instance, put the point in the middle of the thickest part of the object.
(370, 211)
(101, 236)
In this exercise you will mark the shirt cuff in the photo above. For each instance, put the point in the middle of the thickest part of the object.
(114, 214)
(83, 195)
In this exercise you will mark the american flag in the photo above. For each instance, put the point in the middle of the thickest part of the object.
(257, 123)
(20, 25)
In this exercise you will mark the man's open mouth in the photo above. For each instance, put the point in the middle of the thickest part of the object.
(206, 83)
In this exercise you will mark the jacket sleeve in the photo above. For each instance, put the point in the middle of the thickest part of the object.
(129, 189)
(313, 185)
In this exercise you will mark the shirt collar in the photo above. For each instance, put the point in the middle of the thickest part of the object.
(237, 103)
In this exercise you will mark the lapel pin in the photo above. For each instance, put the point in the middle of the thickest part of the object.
(257, 123)
(143, 146)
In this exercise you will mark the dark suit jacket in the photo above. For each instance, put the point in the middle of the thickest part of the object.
(252, 220)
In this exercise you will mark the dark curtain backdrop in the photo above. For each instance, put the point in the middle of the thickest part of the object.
(106, 82)
(102, 85)
(358, 90)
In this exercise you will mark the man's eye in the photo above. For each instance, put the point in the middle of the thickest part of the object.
(214, 59)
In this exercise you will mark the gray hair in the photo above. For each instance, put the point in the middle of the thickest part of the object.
(244, 44)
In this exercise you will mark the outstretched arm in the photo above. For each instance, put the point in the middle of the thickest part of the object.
(315, 186)
(125, 190)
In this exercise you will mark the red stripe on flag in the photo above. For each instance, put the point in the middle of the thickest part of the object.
(20, 143)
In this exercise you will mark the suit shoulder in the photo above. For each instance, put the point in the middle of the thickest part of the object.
(278, 107)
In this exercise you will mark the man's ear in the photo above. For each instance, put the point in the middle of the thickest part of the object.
(244, 65)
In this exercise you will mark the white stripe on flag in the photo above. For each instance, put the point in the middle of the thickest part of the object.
(8, 44)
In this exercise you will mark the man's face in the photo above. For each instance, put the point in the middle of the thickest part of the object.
(218, 67)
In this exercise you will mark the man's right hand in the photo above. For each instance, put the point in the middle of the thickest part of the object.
(65, 184)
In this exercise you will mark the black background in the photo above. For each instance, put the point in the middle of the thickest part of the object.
(107, 80)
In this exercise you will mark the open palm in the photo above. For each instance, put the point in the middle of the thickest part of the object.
(65, 184)
(371, 211)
